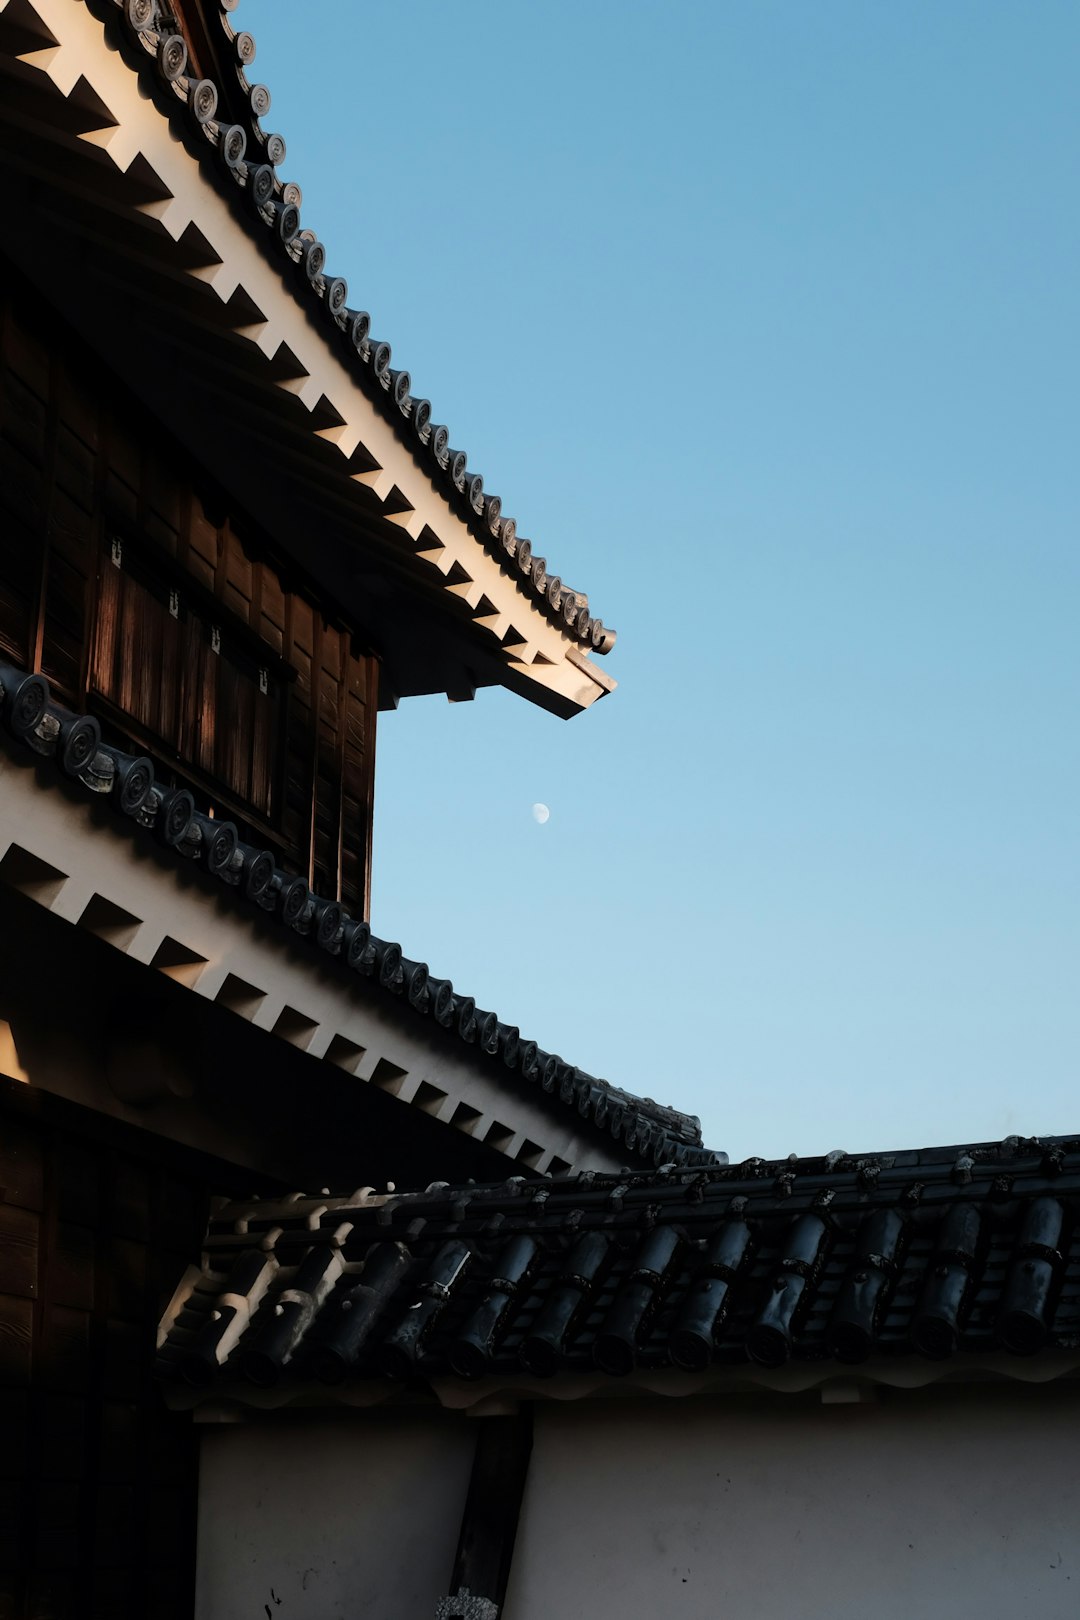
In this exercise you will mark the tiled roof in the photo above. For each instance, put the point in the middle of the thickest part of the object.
(934, 1255)
(646, 1130)
(247, 159)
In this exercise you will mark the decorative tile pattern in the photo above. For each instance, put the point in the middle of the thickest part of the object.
(928, 1254)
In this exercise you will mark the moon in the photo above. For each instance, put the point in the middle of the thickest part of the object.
(540, 813)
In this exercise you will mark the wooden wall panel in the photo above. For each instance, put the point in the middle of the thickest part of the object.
(97, 1480)
(24, 383)
(299, 637)
(188, 642)
(326, 821)
(358, 779)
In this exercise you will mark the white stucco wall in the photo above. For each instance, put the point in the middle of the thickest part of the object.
(328, 1518)
(947, 1504)
(950, 1503)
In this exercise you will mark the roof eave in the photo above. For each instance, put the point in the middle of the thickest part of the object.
(155, 232)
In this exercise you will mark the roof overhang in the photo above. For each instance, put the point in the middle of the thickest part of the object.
(296, 965)
(177, 922)
(137, 231)
(825, 1279)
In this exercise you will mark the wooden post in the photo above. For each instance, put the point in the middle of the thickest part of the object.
(489, 1525)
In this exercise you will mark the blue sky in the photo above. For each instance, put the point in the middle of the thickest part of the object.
(763, 321)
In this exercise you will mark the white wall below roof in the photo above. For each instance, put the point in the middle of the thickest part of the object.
(944, 1504)
(330, 1517)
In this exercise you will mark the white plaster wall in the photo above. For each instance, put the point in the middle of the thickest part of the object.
(947, 1504)
(329, 1518)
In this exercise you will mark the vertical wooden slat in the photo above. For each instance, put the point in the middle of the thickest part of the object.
(204, 546)
(23, 495)
(299, 789)
(98, 540)
(50, 486)
(237, 586)
(369, 777)
(313, 737)
(107, 630)
(358, 780)
(343, 711)
(266, 732)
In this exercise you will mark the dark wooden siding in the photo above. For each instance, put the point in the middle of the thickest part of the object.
(97, 1479)
(187, 682)
(145, 597)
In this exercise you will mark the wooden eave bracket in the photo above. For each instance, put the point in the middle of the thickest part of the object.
(579, 660)
(430, 549)
(398, 509)
(488, 617)
(23, 34)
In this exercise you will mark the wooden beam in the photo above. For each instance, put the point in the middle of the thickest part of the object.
(485, 1548)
